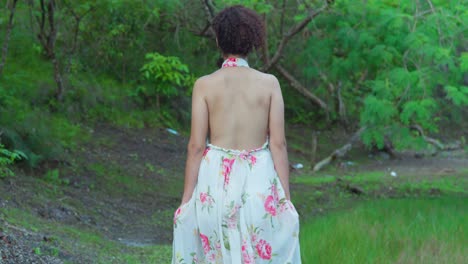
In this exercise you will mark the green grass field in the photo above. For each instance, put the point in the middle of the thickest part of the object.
(413, 230)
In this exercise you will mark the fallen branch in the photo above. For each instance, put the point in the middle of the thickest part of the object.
(338, 153)
(439, 145)
(300, 88)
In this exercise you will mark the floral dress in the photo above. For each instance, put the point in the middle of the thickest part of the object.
(238, 212)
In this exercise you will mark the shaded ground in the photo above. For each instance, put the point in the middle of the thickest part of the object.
(124, 184)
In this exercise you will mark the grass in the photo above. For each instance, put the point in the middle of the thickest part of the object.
(373, 180)
(390, 231)
(94, 243)
(365, 177)
(111, 176)
(443, 184)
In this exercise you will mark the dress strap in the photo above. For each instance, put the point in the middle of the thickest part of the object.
(235, 62)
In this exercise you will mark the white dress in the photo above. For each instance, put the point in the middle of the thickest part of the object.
(238, 212)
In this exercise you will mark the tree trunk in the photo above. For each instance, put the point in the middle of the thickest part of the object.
(7, 36)
(47, 38)
(341, 107)
(58, 79)
(51, 47)
(313, 154)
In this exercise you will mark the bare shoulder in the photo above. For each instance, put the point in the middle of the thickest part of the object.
(200, 85)
(203, 82)
(271, 81)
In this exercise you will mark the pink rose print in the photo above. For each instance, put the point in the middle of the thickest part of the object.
(203, 197)
(243, 155)
(227, 167)
(212, 257)
(274, 192)
(232, 223)
(270, 205)
(230, 62)
(245, 255)
(206, 200)
(206, 151)
(253, 238)
(263, 249)
(247, 258)
(232, 220)
(205, 243)
(253, 160)
(284, 207)
(176, 214)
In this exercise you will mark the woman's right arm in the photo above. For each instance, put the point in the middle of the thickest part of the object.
(278, 145)
(198, 133)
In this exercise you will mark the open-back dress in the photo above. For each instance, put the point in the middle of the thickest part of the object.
(238, 212)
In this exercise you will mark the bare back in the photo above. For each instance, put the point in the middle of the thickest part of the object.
(238, 101)
(237, 107)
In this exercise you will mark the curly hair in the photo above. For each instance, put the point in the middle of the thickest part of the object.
(238, 30)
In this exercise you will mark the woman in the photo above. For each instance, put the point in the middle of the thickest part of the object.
(236, 205)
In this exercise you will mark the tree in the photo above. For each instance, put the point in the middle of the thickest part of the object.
(12, 8)
(47, 36)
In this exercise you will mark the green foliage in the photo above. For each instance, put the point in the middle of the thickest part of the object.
(464, 62)
(37, 251)
(115, 30)
(377, 111)
(7, 158)
(164, 76)
(458, 95)
(261, 6)
(395, 65)
(53, 177)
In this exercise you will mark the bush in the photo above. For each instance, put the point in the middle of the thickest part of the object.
(7, 158)
(164, 77)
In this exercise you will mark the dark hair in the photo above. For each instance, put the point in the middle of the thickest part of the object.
(238, 30)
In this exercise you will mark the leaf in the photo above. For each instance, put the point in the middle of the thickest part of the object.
(377, 111)
(419, 112)
(464, 62)
(459, 96)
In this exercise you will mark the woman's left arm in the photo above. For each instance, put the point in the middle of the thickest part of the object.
(197, 142)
